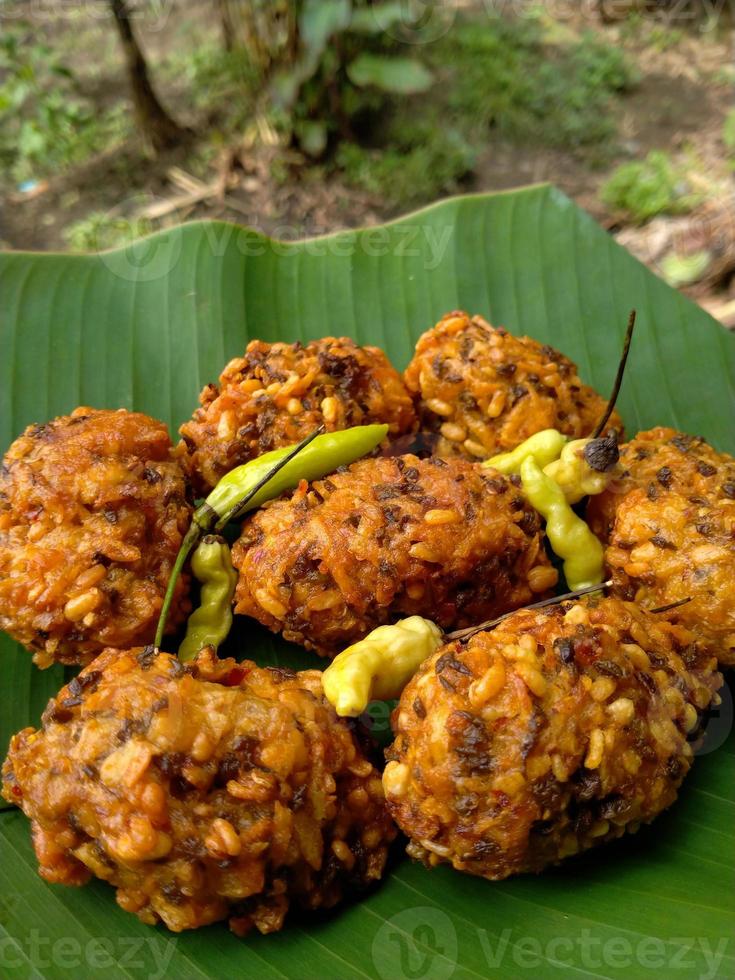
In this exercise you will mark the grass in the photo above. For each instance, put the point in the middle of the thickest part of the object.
(46, 124)
(504, 74)
(217, 84)
(643, 189)
(99, 231)
(495, 75)
(417, 167)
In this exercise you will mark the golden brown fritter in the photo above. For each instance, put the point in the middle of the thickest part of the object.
(278, 393)
(670, 527)
(559, 730)
(201, 792)
(485, 391)
(388, 538)
(92, 512)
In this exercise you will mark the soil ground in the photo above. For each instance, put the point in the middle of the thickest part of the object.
(679, 106)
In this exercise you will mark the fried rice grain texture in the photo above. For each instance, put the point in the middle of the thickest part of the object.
(556, 732)
(93, 509)
(669, 523)
(276, 394)
(387, 538)
(202, 792)
(484, 391)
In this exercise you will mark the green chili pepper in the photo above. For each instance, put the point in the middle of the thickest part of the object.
(264, 478)
(210, 623)
(569, 535)
(322, 455)
(544, 447)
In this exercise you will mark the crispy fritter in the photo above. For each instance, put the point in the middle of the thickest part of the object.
(92, 512)
(670, 527)
(278, 393)
(561, 729)
(388, 538)
(484, 391)
(201, 792)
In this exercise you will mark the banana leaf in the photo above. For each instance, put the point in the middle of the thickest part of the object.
(146, 327)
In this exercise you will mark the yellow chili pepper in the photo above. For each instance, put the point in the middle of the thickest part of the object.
(380, 665)
(569, 535)
(544, 447)
(210, 623)
(581, 468)
(574, 474)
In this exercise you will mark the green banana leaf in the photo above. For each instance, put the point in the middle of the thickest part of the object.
(145, 328)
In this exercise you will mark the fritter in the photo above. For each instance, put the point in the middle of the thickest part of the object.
(561, 729)
(92, 512)
(484, 391)
(278, 393)
(388, 538)
(201, 792)
(670, 527)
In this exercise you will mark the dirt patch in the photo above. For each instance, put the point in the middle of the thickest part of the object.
(679, 106)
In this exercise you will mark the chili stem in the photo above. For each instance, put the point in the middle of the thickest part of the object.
(618, 377)
(237, 510)
(553, 601)
(190, 539)
(670, 605)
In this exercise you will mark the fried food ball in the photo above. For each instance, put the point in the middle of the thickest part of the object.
(670, 527)
(278, 393)
(388, 538)
(559, 730)
(201, 792)
(92, 512)
(484, 391)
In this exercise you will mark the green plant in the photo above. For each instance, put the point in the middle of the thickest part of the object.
(221, 84)
(144, 328)
(341, 62)
(45, 126)
(98, 231)
(644, 188)
(421, 164)
(503, 73)
(663, 38)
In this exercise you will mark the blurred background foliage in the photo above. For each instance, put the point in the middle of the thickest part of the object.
(121, 116)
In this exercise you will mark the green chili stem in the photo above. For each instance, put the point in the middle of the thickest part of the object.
(190, 539)
(251, 485)
(669, 605)
(618, 377)
(239, 508)
(553, 601)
